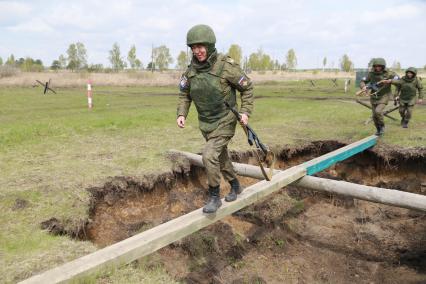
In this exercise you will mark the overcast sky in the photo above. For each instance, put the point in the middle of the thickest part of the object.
(393, 29)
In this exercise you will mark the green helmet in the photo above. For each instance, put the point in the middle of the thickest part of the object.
(200, 34)
(412, 70)
(379, 61)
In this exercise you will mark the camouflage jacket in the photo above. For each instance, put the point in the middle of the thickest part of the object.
(208, 90)
(407, 89)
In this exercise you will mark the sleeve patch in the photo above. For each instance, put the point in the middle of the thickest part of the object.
(243, 81)
(183, 85)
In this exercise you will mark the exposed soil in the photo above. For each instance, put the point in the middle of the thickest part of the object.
(294, 236)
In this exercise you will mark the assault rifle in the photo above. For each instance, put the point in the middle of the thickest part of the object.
(254, 140)
(373, 88)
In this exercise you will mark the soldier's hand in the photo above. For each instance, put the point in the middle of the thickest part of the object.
(388, 81)
(420, 101)
(181, 121)
(244, 119)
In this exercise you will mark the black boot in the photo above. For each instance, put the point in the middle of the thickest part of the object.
(380, 130)
(214, 201)
(405, 124)
(235, 189)
(377, 131)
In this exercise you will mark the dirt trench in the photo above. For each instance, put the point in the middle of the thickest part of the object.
(294, 236)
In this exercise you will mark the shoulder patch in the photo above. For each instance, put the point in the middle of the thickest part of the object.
(243, 81)
(183, 84)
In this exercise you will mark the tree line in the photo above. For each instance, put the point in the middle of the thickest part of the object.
(75, 59)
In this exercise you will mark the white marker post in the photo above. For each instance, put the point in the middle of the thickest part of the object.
(89, 94)
(346, 85)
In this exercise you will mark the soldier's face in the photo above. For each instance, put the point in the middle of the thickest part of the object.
(378, 68)
(200, 52)
(410, 74)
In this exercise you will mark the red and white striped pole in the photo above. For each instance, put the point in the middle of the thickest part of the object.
(89, 94)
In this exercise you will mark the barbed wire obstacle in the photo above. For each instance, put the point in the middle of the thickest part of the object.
(385, 113)
(46, 86)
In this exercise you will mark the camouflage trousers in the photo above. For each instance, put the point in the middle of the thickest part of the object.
(378, 117)
(406, 111)
(216, 160)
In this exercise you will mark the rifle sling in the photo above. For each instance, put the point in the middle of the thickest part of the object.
(268, 176)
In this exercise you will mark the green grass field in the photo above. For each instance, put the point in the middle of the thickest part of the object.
(52, 148)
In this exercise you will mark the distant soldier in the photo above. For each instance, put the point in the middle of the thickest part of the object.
(407, 88)
(210, 80)
(380, 98)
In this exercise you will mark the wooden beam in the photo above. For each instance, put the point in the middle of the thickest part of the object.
(321, 163)
(313, 166)
(152, 240)
(241, 169)
(374, 194)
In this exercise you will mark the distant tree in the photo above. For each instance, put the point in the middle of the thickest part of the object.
(62, 61)
(254, 61)
(29, 65)
(396, 66)
(162, 57)
(266, 62)
(260, 61)
(56, 65)
(345, 63)
(72, 57)
(1, 61)
(150, 66)
(95, 68)
(134, 62)
(291, 59)
(236, 53)
(424, 67)
(115, 58)
(324, 63)
(81, 55)
(10, 60)
(182, 60)
(19, 62)
(138, 63)
(77, 56)
(277, 65)
(245, 64)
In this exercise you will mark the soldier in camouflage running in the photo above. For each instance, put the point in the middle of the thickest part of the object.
(407, 88)
(380, 99)
(210, 80)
